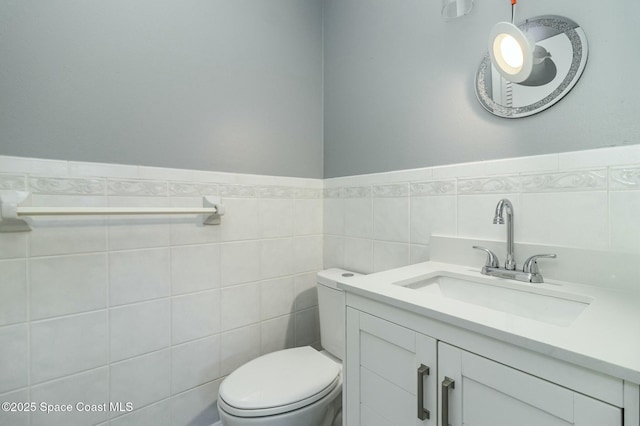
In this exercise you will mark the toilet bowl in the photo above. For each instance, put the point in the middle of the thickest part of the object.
(298, 386)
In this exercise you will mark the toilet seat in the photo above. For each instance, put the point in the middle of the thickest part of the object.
(279, 382)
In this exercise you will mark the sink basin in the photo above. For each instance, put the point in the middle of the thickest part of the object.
(523, 300)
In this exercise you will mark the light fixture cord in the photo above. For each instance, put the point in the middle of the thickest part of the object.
(513, 11)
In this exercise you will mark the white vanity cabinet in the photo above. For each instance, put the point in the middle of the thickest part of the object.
(482, 392)
(395, 375)
(388, 368)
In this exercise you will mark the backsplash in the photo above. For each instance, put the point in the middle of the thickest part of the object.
(152, 310)
(585, 199)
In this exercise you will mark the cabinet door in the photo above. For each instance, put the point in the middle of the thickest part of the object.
(387, 368)
(481, 392)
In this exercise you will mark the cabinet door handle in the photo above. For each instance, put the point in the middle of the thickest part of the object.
(447, 384)
(423, 413)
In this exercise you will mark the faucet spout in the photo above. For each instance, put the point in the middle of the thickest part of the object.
(503, 206)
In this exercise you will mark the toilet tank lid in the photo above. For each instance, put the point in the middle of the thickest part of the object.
(331, 277)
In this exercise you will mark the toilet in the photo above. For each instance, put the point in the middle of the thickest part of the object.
(298, 386)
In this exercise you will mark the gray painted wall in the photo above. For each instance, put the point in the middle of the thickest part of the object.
(399, 85)
(226, 85)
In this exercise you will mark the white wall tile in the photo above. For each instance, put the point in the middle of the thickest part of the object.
(241, 219)
(158, 414)
(13, 291)
(68, 345)
(498, 167)
(332, 251)
(276, 257)
(139, 231)
(306, 292)
(195, 363)
(188, 229)
(277, 334)
(13, 357)
(141, 380)
(33, 165)
(333, 216)
(67, 284)
(276, 297)
(276, 217)
(13, 245)
(625, 226)
(15, 418)
(139, 328)
(162, 280)
(475, 216)
(239, 346)
(391, 219)
(52, 235)
(599, 157)
(102, 170)
(307, 216)
(164, 173)
(432, 215)
(195, 268)
(307, 253)
(88, 388)
(240, 305)
(358, 255)
(240, 262)
(388, 255)
(138, 275)
(358, 218)
(195, 315)
(196, 407)
(575, 219)
(307, 327)
(418, 253)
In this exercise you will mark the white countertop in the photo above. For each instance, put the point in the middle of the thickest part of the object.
(605, 337)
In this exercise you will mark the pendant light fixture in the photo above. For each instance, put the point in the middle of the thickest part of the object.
(510, 51)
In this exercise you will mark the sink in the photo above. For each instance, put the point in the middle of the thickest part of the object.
(523, 300)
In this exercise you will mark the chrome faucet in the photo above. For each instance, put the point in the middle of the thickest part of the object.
(530, 272)
(505, 205)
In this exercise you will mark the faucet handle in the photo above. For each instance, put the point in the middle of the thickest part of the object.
(492, 259)
(531, 264)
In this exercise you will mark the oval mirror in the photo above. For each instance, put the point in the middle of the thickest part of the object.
(560, 56)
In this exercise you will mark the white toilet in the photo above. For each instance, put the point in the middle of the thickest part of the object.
(294, 387)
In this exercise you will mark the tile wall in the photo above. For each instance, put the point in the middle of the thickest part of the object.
(152, 310)
(587, 199)
(157, 310)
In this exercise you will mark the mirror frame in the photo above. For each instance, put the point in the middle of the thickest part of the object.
(548, 23)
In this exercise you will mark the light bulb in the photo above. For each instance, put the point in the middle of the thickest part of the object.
(511, 51)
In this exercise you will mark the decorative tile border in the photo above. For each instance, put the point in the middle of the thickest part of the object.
(308, 193)
(186, 189)
(137, 188)
(491, 185)
(237, 191)
(13, 182)
(624, 178)
(66, 186)
(274, 192)
(579, 180)
(392, 190)
(357, 192)
(436, 187)
(332, 192)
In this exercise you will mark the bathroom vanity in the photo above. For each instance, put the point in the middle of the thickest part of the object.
(438, 343)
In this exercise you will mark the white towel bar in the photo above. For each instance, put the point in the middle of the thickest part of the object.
(10, 211)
